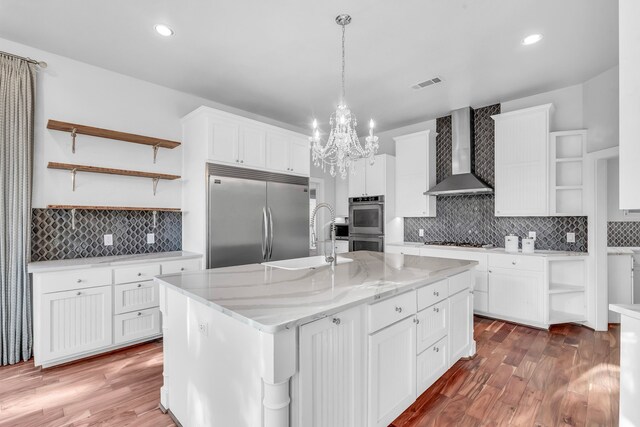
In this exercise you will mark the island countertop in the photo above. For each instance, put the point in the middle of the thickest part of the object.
(272, 299)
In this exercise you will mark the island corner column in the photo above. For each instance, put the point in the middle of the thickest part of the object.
(279, 361)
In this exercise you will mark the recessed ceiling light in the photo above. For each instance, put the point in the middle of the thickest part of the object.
(531, 39)
(164, 30)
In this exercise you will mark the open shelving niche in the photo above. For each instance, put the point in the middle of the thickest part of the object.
(567, 152)
(566, 294)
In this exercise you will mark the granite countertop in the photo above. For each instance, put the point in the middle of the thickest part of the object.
(272, 299)
(631, 310)
(498, 251)
(107, 261)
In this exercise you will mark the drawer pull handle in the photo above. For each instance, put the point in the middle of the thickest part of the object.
(436, 349)
(78, 293)
(437, 294)
(139, 314)
(79, 281)
(399, 309)
(416, 320)
(436, 309)
(139, 274)
(181, 268)
(336, 320)
(513, 262)
(139, 285)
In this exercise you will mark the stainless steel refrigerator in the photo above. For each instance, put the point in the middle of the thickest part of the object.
(255, 216)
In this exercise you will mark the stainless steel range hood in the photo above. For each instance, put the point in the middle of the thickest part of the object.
(462, 181)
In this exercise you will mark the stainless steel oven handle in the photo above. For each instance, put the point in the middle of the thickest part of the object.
(270, 233)
(264, 233)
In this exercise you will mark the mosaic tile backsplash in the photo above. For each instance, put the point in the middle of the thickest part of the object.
(53, 237)
(470, 219)
(623, 234)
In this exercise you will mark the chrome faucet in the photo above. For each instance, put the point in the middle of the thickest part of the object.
(332, 258)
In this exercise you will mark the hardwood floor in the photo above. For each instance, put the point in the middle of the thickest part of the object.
(568, 376)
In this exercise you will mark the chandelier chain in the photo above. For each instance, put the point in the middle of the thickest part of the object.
(343, 64)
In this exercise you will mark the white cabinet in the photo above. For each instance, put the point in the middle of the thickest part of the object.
(433, 325)
(231, 142)
(135, 296)
(522, 162)
(372, 179)
(392, 371)
(332, 375)
(342, 246)
(567, 172)
(620, 286)
(516, 294)
(431, 364)
(76, 321)
(252, 146)
(287, 153)
(136, 325)
(461, 325)
(415, 174)
(342, 196)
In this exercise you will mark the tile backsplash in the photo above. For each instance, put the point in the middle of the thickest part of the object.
(470, 218)
(53, 238)
(623, 234)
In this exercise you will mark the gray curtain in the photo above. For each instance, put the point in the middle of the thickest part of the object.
(17, 94)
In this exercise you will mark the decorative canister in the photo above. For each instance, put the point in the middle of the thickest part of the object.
(528, 245)
(511, 243)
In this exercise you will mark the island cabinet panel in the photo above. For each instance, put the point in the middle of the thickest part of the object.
(431, 364)
(76, 321)
(433, 324)
(461, 326)
(392, 371)
(516, 294)
(332, 375)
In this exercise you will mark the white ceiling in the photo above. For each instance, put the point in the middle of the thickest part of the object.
(280, 58)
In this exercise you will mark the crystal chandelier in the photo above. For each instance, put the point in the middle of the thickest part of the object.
(342, 147)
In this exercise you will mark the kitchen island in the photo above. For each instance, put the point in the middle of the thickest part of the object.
(347, 345)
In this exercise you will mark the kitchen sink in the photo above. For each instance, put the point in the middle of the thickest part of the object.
(304, 263)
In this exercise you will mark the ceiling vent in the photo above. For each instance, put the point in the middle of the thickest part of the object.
(426, 83)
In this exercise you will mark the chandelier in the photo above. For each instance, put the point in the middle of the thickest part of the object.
(342, 147)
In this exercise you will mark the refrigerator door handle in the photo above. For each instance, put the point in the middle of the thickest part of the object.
(264, 233)
(270, 232)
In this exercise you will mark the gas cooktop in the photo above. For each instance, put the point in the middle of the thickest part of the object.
(461, 244)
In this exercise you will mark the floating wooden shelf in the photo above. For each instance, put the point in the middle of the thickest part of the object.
(113, 208)
(109, 171)
(75, 129)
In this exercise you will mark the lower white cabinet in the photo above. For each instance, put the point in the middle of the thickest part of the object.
(332, 375)
(136, 325)
(431, 364)
(76, 321)
(516, 294)
(135, 296)
(461, 324)
(392, 371)
(433, 324)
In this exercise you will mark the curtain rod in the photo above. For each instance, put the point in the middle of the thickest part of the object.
(41, 64)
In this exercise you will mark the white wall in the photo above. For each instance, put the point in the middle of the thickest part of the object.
(601, 110)
(567, 102)
(629, 103)
(76, 92)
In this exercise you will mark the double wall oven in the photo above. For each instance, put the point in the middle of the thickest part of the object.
(366, 223)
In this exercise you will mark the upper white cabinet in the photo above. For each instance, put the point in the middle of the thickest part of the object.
(415, 174)
(522, 162)
(243, 142)
(372, 179)
(342, 196)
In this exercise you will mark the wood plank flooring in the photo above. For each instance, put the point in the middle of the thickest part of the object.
(567, 376)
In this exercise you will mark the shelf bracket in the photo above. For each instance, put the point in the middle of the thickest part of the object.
(73, 219)
(73, 140)
(155, 152)
(73, 179)
(155, 219)
(155, 185)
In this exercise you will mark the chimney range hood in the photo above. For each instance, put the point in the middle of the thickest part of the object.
(462, 181)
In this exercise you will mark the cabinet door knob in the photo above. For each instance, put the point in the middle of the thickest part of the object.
(181, 268)
(139, 274)
(513, 262)
(399, 309)
(241, 161)
(139, 285)
(336, 320)
(78, 293)
(139, 314)
(436, 293)
(436, 309)
(436, 349)
(416, 320)
(79, 281)
(490, 271)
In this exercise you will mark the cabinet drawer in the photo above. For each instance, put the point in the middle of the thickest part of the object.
(432, 294)
(136, 325)
(75, 279)
(433, 324)
(136, 274)
(460, 282)
(431, 364)
(389, 311)
(530, 263)
(135, 296)
(173, 267)
(480, 301)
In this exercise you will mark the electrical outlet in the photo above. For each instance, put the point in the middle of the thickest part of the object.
(571, 237)
(203, 328)
(421, 232)
(532, 235)
(151, 238)
(108, 239)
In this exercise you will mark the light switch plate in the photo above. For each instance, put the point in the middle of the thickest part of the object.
(108, 239)
(532, 235)
(421, 232)
(571, 237)
(151, 238)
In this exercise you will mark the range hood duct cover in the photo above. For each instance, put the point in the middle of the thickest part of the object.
(462, 181)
